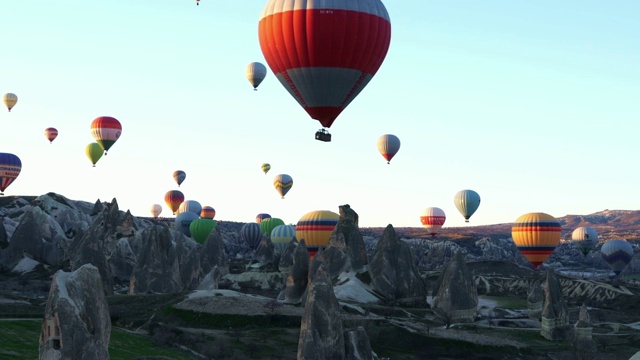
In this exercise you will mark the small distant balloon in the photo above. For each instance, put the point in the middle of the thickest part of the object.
(179, 176)
(94, 152)
(10, 167)
(283, 184)
(106, 130)
(255, 72)
(208, 212)
(190, 205)
(155, 210)
(432, 219)
(388, 146)
(617, 253)
(9, 100)
(584, 238)
(261, 217)
(51, 134)
(467, 202)
(265, 168)
(173, 199)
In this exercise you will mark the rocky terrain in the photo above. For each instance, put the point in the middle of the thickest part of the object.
(391, 292)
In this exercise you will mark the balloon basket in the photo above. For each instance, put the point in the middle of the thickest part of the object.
(323, 135)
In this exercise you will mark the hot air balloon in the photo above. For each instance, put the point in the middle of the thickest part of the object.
(283, 184)
(467, 202)
(324, 52)
(106, 130)
(179, 176)
(261, 217)
(51, 134)
(388, 145)
(265, 168)
(584, 238)
(267, 225)
(432, 219)
(10, 166)
(174, 198)
(315, 229)
(9, 100)
(155, 210)
(536, 235)
(255, 73)
(617, 253)
(190, 205)
(200, 229)
(281, 236)
(184, 220)
(94, 152)
(208, 212)
(250, 233)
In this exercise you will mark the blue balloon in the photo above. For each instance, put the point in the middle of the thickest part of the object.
(251, 234)
(184, 220)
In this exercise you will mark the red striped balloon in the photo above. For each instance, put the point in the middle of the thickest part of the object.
(324, 52)
(106, 130)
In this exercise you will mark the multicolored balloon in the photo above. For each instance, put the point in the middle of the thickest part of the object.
(432, 219)
(94, 152)
(324, 52)
(315, 229)
(255, 72)
(179, 176)
(200, 229)
(106, 130)
(283, 184)
(190, 205)
(617, 253)
(267, 225)
(536, 235)
(155, 210)
(173, 199)
(10, 100)
(251, 234)
(467, 202)
(388, 146)
(184, 220)
(10, 167)
(51, 134)
(208, 212)
(265, 168)
(584, 238)
(282, 235)
(261, 217)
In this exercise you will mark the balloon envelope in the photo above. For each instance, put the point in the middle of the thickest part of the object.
(283, 184)
(190, 205)
(10, 167)
(200, 229)
(51, 134)
(536, 235)
(184, 220)
(432, 219)
(9, 100)
(265, 168)
(617, 253)
(208, 212)
(282, 235)
(315, 229)
(250, 233)
(467, 202)
(324, 52)
(388, 146)
(267, 225)
(179, 176)
(155, 210)
(584, 238)
(106, 130)
(255, 72)
(173, 199)
(94, 152)
(261, 217)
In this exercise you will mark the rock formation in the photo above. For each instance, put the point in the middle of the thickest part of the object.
(4, 239)
(555, 314)
(286, 259)
(358, 345)
(535, 300)
(76, 322)
(157, 269)
(213, 254)
(456, 297)
(321, 330)
(346, 237)
(394, 274)
(583, 327)
(298, 277)
(266, 251)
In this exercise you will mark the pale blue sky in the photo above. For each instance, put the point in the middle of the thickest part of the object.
(533, 104)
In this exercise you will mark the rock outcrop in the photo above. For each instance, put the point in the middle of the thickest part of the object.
(555, 313)
(456, 297)
(583, 327)
(298, 278)
(213, 254)
(346, 237)
(321, 329)
(394, 274)
(286, 258)
(76, 322)
(4, 239)
(358, 345)
(535, 300)
(266, 251)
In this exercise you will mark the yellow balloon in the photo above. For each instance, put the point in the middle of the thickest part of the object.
(536, 235)
(315, 229)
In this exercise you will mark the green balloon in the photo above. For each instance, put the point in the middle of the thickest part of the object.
(94, 152)
(200, 229)
(267, 225)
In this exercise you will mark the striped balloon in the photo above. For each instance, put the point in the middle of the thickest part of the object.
(388, 146)
(282, 235)
(10, 167)
(261, 217)
(283, 184)
(208, 212)
(255, 72)
(106, 130)
(265, 168)
(179, 176)
(173, 199)
(617, 253)
(536, 235)
(267, 225)
(315, 228)
(584, 238)
(10, 100)
(432, 219)
(51, 134)
(250, 234)
(324, 52)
